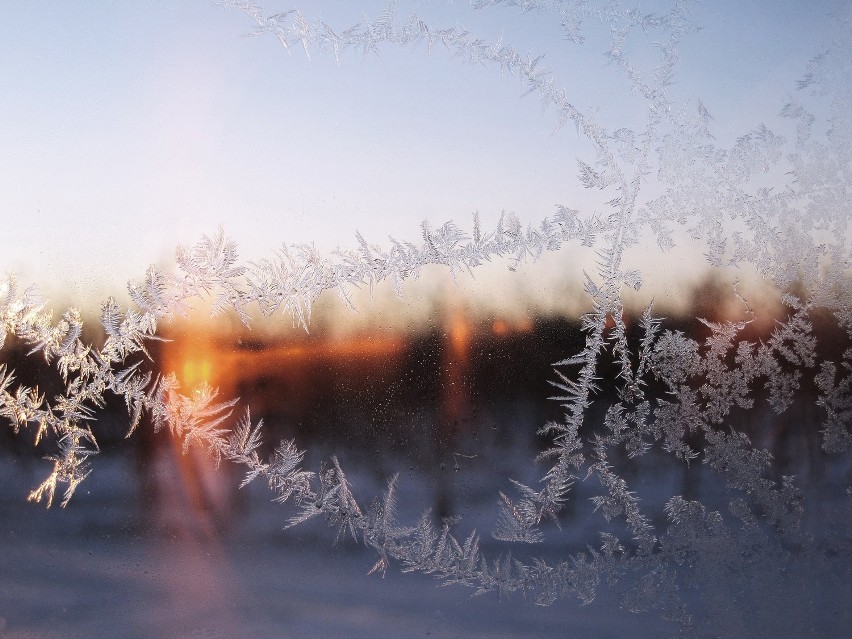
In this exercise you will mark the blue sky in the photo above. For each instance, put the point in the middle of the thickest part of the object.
(127, 128)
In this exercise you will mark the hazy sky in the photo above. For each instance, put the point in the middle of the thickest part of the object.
(127, 128)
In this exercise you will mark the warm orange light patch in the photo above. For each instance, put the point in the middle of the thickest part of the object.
(195, 359)
(357, 347)
(500, 328)
(459, 333)
(195, 373)
(198, 360)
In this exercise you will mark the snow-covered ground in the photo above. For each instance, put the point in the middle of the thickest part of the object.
(172, 552)
(102, 568)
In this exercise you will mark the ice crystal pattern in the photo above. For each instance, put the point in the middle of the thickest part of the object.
(674, 392)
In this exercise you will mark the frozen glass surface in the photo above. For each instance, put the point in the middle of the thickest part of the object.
(508, 319)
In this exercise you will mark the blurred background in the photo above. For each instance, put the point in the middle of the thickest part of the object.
(157, 542)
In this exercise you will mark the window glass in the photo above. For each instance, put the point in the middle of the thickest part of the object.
(544, 302)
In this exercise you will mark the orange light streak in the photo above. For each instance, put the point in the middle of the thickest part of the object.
(199, 359)
(455, 399)
(502, 328)
(459, 334)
